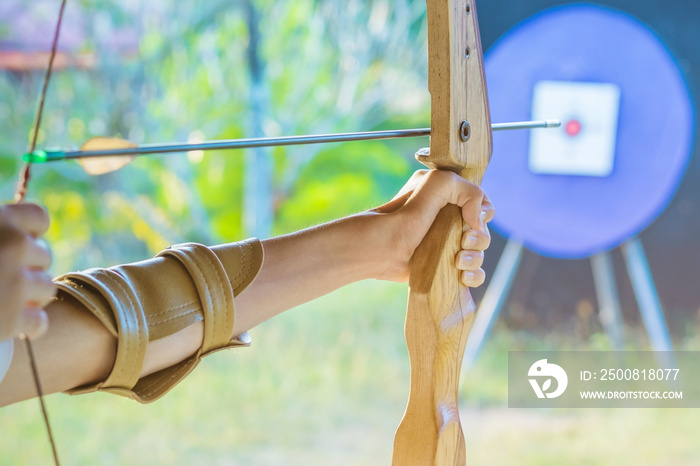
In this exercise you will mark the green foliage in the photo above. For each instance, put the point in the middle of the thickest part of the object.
(342, 181)
(186, 76)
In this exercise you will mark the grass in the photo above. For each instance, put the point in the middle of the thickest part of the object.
(327, 384)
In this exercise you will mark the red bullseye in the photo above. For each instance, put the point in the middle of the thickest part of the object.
(573, 128)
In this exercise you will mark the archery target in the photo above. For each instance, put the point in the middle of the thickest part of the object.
(625, 140)
(589, 113)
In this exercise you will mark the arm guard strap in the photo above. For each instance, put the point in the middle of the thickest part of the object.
(153, 299)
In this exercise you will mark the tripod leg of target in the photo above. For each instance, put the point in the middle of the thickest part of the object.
(647, 297)
(608, 300)
(493, 301)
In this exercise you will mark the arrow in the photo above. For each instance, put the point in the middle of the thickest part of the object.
(106, 150)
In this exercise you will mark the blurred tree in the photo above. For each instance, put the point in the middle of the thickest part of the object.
(187, 73)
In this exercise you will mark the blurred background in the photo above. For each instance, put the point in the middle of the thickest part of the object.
(327, 382)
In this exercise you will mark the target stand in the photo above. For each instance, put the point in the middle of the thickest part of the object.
(594, 184)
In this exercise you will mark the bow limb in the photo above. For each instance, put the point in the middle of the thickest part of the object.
(440, 309)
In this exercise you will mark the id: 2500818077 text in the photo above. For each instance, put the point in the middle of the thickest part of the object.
(631, 374)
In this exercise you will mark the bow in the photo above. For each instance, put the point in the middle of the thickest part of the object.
(440, 309)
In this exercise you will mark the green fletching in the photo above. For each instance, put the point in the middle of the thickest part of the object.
(43, 156)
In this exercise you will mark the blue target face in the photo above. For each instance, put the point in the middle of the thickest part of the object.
(626, 136)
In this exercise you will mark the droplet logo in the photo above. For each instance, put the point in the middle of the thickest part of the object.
(542, 370)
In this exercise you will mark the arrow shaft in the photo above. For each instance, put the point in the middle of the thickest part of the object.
(51, 156)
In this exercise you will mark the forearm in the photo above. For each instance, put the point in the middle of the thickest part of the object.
(78, 349)
(305, 265)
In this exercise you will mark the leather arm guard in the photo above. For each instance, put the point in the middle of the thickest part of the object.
(153, 299)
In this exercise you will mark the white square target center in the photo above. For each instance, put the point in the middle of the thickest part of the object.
(585, 143)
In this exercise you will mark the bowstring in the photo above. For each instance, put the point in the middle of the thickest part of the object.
(26, 172)
(20, 194)
(37, 384)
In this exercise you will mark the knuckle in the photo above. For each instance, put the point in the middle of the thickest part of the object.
(424, 176)
(475, 278)
(432, 175)
(441, 176)
(43, 277)
(479, 278)
(40, 214)
(44, 252)
(485, 240)
(25, 277)
(13, 242)
(33, 209)
(454, 177)
(417, 177)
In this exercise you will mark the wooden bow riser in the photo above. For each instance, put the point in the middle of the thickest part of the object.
(457, 86)
(438, 319)
(440, 311)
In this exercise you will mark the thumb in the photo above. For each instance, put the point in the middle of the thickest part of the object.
(34, 323)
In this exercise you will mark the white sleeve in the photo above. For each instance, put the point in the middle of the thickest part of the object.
(6, 351)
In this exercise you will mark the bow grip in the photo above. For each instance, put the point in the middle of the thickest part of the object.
(440, 310)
